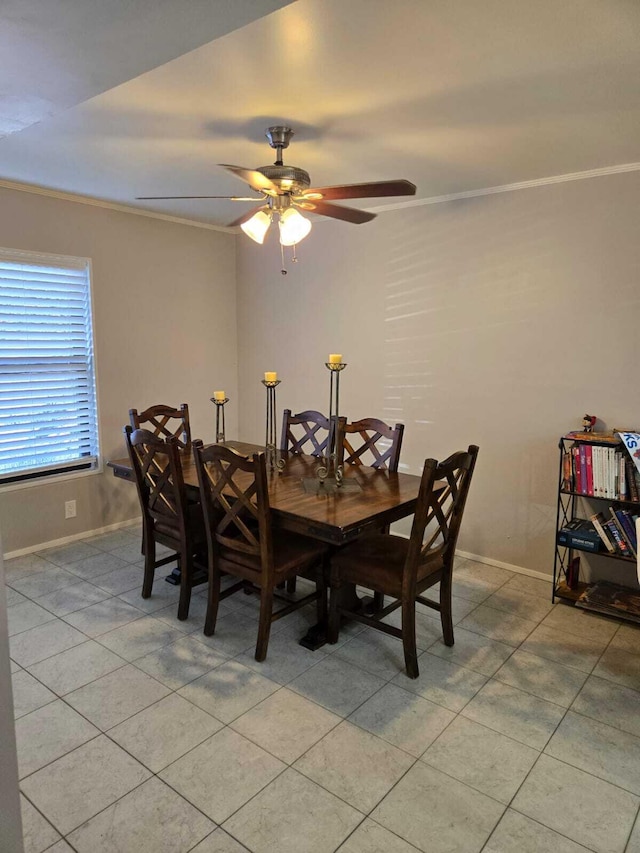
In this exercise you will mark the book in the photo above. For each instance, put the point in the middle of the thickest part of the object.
(626, 520)
(597, 488)
(577, 476)
(632, 483)
(614, 533)
(588, 455)
(595, 437)
(618, 532)
(567, 473)
(598, 520)
(611, 599)
(583, 468)
(623, 494)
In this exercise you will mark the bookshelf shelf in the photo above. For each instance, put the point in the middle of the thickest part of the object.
(576, 504)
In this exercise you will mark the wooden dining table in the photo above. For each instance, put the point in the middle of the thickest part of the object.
(370, 499)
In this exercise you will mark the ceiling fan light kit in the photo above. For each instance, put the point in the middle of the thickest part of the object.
(283, 188)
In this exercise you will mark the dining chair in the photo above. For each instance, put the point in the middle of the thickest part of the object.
(371, 442)
(159, 420)
(242, 542)
(307, 432)
(405, 568)
(167, 517)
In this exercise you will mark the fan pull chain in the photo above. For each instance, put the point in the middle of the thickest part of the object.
(283, 270)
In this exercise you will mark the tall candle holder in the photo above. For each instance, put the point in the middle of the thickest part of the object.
(330, 472)
(219, 404)
(273, 458)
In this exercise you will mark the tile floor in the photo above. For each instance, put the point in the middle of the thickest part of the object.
(137, 733)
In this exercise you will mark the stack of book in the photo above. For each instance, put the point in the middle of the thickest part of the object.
(618, 533)
(614, 600)
(601, 469)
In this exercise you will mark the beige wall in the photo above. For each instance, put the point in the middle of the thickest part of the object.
(165, 331)
(498, 320)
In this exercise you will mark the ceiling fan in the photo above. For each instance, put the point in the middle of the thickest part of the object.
(285, 188)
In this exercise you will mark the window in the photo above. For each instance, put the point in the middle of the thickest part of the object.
(48, 416)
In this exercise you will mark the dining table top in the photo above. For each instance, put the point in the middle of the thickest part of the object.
(370, 499)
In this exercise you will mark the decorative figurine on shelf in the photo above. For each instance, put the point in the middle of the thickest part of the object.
(588, 423)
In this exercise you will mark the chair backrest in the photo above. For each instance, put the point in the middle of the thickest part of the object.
(235, 501)
(438, 515)
(371, 442)
(307, 432)
(164, 422)
(158, 473)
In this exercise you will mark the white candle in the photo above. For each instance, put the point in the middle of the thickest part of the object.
(271, 377)
(218, 395)
(335, 358)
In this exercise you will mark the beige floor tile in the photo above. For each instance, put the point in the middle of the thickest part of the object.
(476, 582)
(42, 642)
(285, 724)
(29, 694)
(580, 623)
(76, 667)
(181, 662)
(120, 580)
(165, 731)
(370, 837)
(337, 685)
(498, 625)
(600, 816)
(131, 552)
(49, 580)
(77, 786)
(14, 597)
(117, 696)
(228, 690)
(354, 765)
(442, 682)
(404, 719)
(457, 817)
(529, 586)
(620, 666)
(567, 649)
(514, 713)
(235, 633)
(139, 638)
(511, 600)
(69, 554)
(428, 630)
(26, 615)
(60, 847)
(286, 815)
(515, 832)
(610, 703)
(486, 760)
(598, 749)
(28, 564)
(164, 599)
(150, 819)
(634, 841)
(473, 651)
(71, 598)
(48, 733)
(116, 539)
(627, 638)
(95, 565)
(222, 774)
(219, 842)
(374, 652)
(543, 678)
(460, 607)
(38, 834)
(286, 658)
(103, 617)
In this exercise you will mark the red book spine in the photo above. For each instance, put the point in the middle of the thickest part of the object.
(583, 469)
(576, 469)
(589, 466)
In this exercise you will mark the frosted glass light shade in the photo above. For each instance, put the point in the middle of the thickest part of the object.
(293, 227)
(257, 226)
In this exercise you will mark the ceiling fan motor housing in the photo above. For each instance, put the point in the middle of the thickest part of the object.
(290, 179)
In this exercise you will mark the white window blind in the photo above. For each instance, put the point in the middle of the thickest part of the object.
(48, 418)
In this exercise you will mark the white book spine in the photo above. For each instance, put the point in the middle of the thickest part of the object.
(595, 465)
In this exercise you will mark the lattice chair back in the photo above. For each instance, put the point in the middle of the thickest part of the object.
(156, 464)
(307, 432)
(235, 500)
(438, 515)
(165, 422)
(372, 442)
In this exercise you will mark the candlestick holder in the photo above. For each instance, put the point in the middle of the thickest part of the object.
(330, 472)
(219, 404)
(274, 461)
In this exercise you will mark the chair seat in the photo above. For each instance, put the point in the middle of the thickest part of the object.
(377, 562)
(290, 552)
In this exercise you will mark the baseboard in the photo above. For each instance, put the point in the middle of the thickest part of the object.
(521, 570)
(87, 534)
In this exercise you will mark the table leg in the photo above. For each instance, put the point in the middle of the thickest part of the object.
(316, 636)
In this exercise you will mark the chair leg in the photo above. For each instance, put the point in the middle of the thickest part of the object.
(409, 637)
(446, 616)
(149, 566)
(213, 600)
(186, 572)
(333, 629)
(264, 625)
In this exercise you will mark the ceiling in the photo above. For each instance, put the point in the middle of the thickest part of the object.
(116, 99)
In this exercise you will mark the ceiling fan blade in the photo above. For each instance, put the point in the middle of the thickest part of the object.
(370, 190)
(167, 197)
(336, 211)
(256, 180)
(246, 216)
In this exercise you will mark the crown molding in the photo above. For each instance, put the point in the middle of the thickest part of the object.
(506, 188)
(109, 205)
